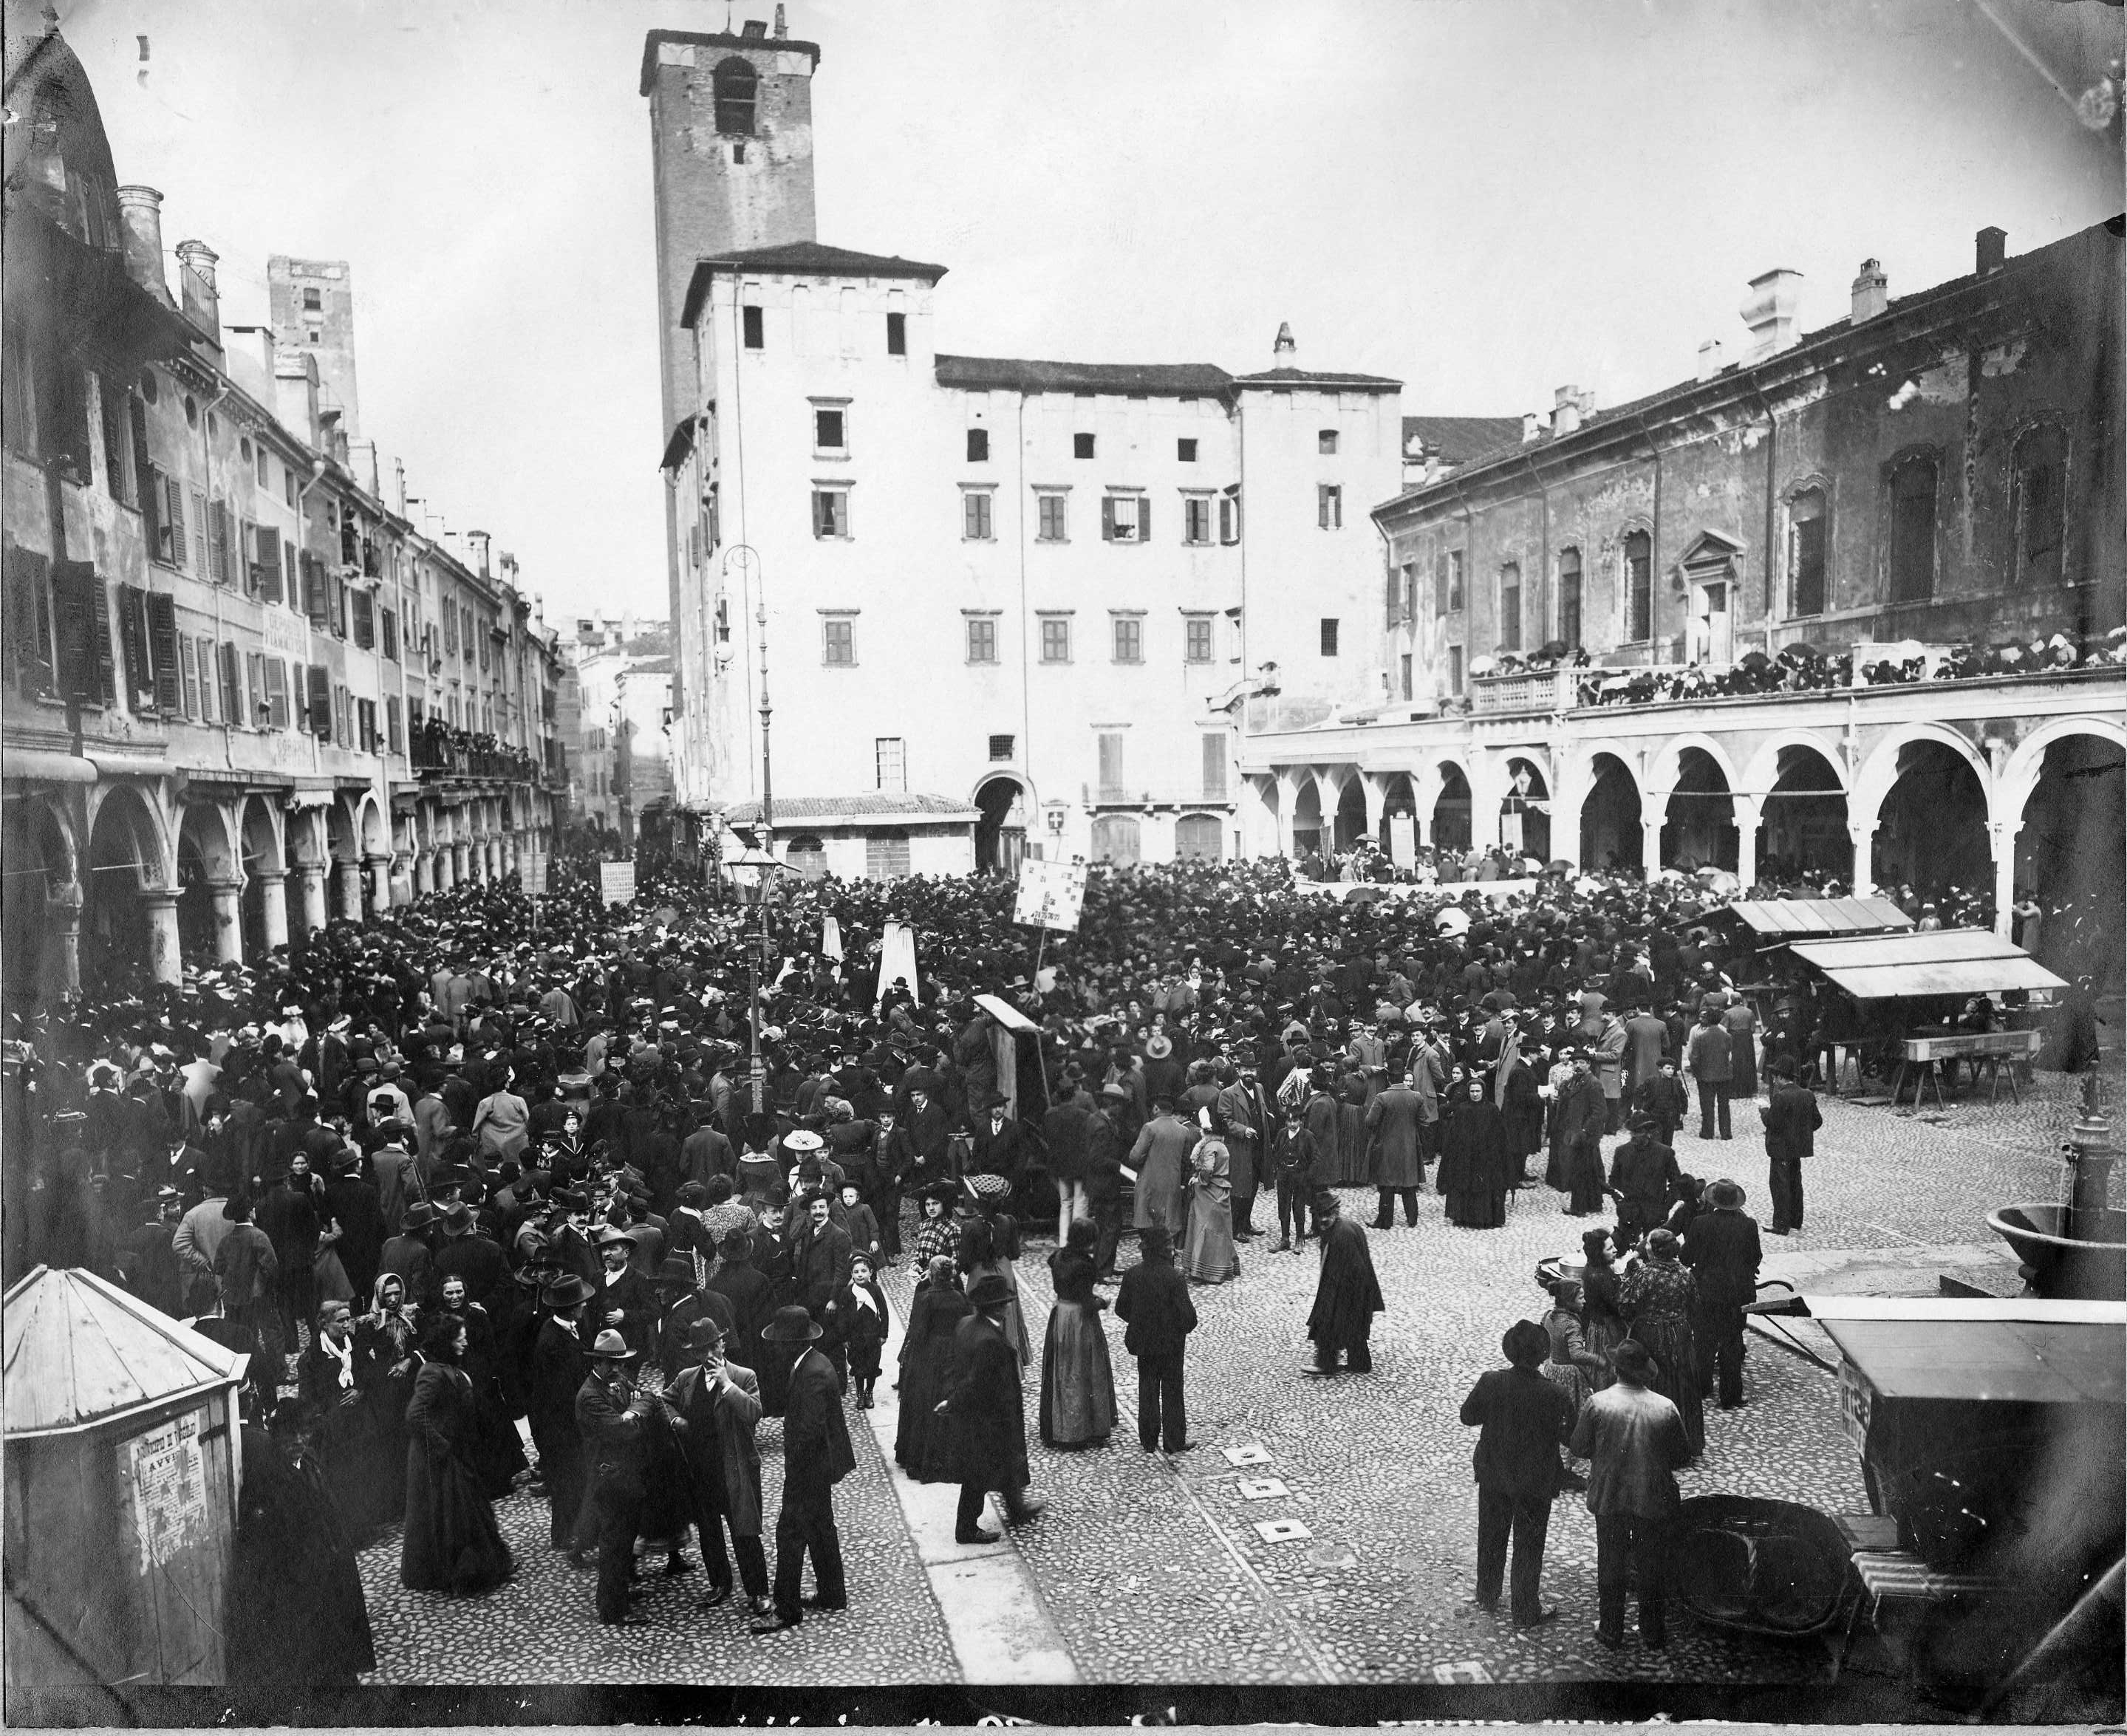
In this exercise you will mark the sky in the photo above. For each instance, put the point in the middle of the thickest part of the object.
(1484, 199)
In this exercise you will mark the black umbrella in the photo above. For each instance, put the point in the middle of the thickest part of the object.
(1757, 662)
(1802, 651)
(1555, 648)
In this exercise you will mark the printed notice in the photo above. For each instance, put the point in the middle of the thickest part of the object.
(169, 1490)
(617, 880)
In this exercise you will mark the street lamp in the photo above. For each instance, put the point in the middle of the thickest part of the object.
(752, 872)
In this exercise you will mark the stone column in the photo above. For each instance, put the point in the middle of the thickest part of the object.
(310, 897)
(494, 859)
(461, 862)
(1749, 815)
(380, 884)
(445, 873)
(165, 955)
(226, 899)
(273, 887)
(1288, 788)
(1650, 832)
(2003, 835)
(1375, 788)
(423, 883)
(349, 874)
(65, 908)
(1863, 834)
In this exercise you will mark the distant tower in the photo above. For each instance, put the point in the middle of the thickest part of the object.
(311, 305)
(730, 141)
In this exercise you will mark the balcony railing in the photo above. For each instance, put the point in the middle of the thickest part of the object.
(436, 751)
(1524, 691)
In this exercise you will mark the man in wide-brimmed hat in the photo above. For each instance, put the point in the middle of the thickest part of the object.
(986, 1424)
(626, 1303)
(1525, 1419)
(1636, 1440)
(815, 1456)
(1723, 1249)
(612, 1417)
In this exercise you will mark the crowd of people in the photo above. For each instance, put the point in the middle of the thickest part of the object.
(490, 1160)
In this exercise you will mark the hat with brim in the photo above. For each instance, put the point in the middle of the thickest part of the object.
(991, 1290)
(802, 1140)
(1630, 1358)
(611, 1237)
(567, 1293)
(791, 1325)
(704, 1334)
(418, 1216)
(1526, 1343)
(987, 1186)
(609, 1347)
(676, 1269)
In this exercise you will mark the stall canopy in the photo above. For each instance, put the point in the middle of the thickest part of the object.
(2015, 1351)
(1807, 918)
(1943, 962)
(81, 1352)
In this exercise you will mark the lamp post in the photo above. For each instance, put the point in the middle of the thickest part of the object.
(750, 872)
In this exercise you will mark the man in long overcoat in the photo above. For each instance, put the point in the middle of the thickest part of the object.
(556, 1371)
(1393, 1120)
(719, 1401)
(1722, 1249)
(1792, 1119)
(815, 1456)
(1643, 1176)
(1347, 1297)
(1526, 1419)
(1153, 1304)
(985, 1416)
(1160, 1159)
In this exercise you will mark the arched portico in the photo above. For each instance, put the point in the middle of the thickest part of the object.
(42, 907)
(128, 908)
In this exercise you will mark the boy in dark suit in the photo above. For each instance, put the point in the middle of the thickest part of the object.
(1525, 1420)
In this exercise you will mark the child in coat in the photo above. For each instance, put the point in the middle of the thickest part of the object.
(863, 1325)
(1663, 1097)
(862, 1223)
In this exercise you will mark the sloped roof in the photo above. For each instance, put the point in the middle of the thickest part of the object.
(801, 259)
(1161, 379)
(79, 1351)
(874, 805)
(1941, 961)
(1817, 918)
(1458, 439)
(1298, 376)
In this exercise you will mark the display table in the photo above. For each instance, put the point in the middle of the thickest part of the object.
(1924, 1055)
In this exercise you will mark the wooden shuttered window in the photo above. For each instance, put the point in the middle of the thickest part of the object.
(263, 549)
(319, 709)
(317, 595)
(277, 693)
(88, 672)
(133, 648)
(165, 513)
(395, 730)
(145, 494)
(28, 619)
(163, 652)
(229, 688)
(221, 533)
(189, 655)
(365, 620)
(387, 624)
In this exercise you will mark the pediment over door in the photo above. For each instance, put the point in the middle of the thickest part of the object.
(1710, 556)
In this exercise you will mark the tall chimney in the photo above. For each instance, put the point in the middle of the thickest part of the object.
(196, 262)
(782, 29)
(1710, 354)
(140, 216)
(295, 393)
(1284, 353)
(1565, 409)
(1993, 248)
(1530, 422)
(480, 540)
(1770, 311)
(1871, 291)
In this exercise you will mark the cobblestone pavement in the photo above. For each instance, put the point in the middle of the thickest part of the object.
(1152, 1569)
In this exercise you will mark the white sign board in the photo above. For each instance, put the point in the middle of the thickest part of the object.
(897, 957)
(616, 881)
(168, 1477)
(1051, 894)
(1403, 839)
(533, 870)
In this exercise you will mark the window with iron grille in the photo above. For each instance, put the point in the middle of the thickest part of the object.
(1639, 587)
(1001, 746)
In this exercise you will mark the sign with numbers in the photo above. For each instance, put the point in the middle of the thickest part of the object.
(1051, 894)
(1853, 1401)
(616, 881)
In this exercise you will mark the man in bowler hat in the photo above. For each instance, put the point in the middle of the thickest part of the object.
(815, 1456)
(1525, 1420)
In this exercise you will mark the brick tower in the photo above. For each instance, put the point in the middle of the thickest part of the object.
(730, 140)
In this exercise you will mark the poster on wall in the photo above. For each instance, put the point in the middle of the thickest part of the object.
(1051, 894)
(1403, 839)
(617, 882)
(168, 1477)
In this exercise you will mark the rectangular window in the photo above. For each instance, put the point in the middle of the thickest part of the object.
(886, 855)
(750, 327)
(217, 519)
(210, 697)
(829, 431)
(1330, 506)
(1455, 582)
(1082, 446)
(188, 655)
(262, 548)
(229, 691)
(277, 693)
(830, 513)
(198, 521)
(163, 642)
(1055, 639)
(120, 473)
(1325, 442)
(288, 486)
(975, 515)
(1510, 606)
(1912, 531)
(1329, 635)
(388, 622)
(256, 709)
(133, 648)
(395, 730)
(1130, 639)
(365, 718)
(1405, 661)
(1124, 517)
(1214, 767)
(1196, 639)
(890, 763)
(1454, 669)
(1229, 519)
(979, 446)
(1569, 598)
(1806, 553)
(838, 641)
(897, 334)
(313, 301)
(1639, 587)
(1001, 748)
(982, 639)
(1185, 451)
(1111, 742)
(1050, 518)
(265, 470)
(1196, 519)
(365, 620)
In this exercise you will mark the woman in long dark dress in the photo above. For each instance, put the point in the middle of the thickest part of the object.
(1602, 1323)
(920, 1443)
(296, 1613)
(1077, 1378)
(387, 1359)
(1475, 1169)
(497, 1451)
(1659, 1300)
(451, 1543)
(343, 1429)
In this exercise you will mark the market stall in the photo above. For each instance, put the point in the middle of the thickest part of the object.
(121, 1485)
